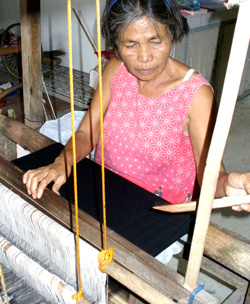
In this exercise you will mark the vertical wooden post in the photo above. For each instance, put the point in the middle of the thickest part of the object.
(228, 99)
(31, 62)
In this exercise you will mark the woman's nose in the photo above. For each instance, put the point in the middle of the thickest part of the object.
(144, 54)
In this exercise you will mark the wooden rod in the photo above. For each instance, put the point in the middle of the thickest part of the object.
(229, 96)
(11, 90)
(223, 202)
(86, 33)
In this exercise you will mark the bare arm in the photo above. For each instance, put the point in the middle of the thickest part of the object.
(200, 127)
(86, 139)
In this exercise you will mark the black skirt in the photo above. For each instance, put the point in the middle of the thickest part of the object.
(129, 207)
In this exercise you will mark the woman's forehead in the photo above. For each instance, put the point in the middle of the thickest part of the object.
(144, 27)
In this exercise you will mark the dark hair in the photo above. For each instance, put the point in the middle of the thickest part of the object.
(119, 14)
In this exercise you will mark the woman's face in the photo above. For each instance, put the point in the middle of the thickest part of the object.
(144, 48)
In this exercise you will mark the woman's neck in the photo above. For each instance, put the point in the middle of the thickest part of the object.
(170, 78)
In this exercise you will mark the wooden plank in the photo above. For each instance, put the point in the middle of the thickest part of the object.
(31, 62)
(23, 135)
(132, 267)
(211, 173)
(224, 274)
(229, 249)
(236, 297)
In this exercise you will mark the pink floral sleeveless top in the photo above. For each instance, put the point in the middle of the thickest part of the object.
(143, 138)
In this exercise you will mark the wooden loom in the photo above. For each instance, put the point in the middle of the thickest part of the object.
(141, 273)
(165, 283)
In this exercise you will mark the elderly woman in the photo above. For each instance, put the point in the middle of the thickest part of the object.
(158, 111)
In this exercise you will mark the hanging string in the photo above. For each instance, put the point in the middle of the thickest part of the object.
(106, 255)
(3, 285)
(80, 294)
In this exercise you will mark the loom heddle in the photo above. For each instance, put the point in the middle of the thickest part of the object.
(53, 242)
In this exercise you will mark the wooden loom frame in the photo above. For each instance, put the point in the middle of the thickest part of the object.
(139, 266)
(30, 15)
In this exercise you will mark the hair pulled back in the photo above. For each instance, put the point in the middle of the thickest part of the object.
(119, 14)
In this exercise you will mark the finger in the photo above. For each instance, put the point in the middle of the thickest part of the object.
(246, 182)
(236, 208)
(24, 179)
(236, 192)
(239, 181)
(43, 182)
(56, 189)
(29, 179)
(245, 207)
(58, 184)
(34, 179)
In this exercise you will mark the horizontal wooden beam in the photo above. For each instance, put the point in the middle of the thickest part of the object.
(229, 249)
(23, 135)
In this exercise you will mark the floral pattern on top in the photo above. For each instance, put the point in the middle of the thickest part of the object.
(143, 137)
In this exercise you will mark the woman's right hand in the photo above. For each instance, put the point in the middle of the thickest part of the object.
(37, 180)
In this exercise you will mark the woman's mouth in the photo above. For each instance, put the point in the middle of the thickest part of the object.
(145, 71)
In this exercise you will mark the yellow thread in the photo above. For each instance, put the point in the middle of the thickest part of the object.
(73, 143)
(109, 252)
(101, 117)
(3, 284)
(78, 296)
(105, 257)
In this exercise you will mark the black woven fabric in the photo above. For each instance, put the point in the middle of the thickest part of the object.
(129, 207)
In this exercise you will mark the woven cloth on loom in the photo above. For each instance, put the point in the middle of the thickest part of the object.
(129, 207)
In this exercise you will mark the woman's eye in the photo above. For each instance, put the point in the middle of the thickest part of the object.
(156, 42)
(130, 46)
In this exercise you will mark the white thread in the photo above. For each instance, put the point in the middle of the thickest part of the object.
(54, 242)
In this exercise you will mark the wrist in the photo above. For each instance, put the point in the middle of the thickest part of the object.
(64, 159)
(222, 185)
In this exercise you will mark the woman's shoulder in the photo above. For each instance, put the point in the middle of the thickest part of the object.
(112, 67)
(182, 72)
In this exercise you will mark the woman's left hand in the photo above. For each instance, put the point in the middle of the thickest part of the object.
(238, 184)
